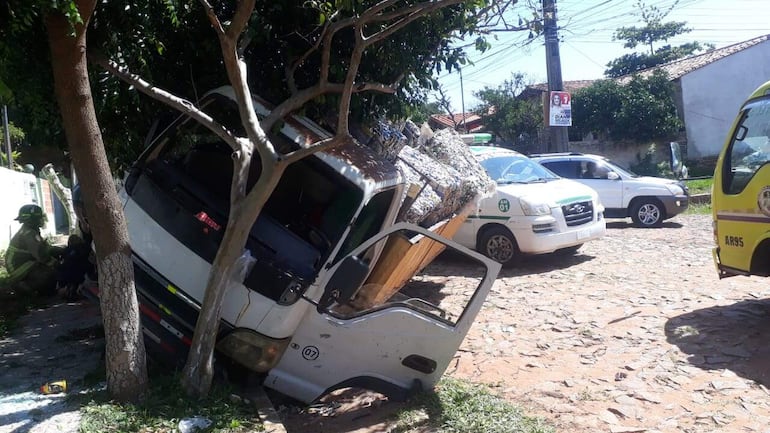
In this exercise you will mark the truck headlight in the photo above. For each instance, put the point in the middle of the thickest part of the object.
(253, 350)
(534, 207)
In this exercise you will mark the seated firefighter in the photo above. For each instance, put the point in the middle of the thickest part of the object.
(76, 262)
(30, 260)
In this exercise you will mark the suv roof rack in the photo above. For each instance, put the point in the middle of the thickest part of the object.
(557, 154)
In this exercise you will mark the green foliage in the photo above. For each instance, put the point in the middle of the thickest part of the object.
(654, 30)
(164, 406)
(170, 43)
(700, 186)
(458, 406)
(641, 111)
(506, 116)
(422, 112)
(699, 209)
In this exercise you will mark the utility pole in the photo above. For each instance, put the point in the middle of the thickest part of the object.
(462, 99)
(7, 136)
(559, 140)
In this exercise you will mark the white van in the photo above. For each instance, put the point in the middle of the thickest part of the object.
(533, 211)
(314, 312)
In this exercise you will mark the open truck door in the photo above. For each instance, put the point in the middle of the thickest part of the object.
(379, 331)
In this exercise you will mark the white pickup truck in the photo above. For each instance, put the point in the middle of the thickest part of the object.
(327, 302)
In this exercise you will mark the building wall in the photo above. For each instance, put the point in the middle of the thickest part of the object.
(712, 95)
(16, 190)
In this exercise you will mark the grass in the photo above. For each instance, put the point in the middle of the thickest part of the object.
(164, 407)
(700, 186)
(461, 407)
(454, 407)
(698, 209)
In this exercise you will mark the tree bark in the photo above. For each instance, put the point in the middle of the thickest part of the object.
(125, 355)
(198, 371)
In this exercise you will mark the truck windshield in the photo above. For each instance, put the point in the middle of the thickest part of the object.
(749, 147)
(516, 169)
(302, 221)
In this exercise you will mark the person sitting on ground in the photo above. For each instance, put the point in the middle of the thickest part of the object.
(30, 260)
(76, 261)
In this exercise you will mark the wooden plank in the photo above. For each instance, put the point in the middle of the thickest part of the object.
(402, 259)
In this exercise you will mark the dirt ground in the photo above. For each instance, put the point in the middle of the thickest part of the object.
(634, 333)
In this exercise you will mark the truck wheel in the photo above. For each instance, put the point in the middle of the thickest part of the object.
(498, 244)
(647, 213)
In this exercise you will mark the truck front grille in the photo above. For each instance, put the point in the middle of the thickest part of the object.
(578, 213)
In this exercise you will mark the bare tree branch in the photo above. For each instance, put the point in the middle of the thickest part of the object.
(347, 90)
(183, 105)
(418, 11)
(314, 148)
(241, 19)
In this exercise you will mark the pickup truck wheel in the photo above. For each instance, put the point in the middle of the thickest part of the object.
(647, 213)
(498, 244)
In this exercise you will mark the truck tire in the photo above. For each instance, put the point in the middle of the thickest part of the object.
(498, 244)
(647, 212)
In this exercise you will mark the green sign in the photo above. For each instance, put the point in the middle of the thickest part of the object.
(504, 205)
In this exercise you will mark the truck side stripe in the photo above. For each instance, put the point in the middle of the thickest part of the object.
(489, 217)
(743, 217)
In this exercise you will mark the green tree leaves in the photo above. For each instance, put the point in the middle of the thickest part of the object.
(506, 116)
(654, 31)
(640, 111)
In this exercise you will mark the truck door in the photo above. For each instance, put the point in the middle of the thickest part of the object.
(604, 180)
(389, 326)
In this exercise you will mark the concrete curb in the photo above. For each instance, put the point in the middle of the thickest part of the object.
(700, 198)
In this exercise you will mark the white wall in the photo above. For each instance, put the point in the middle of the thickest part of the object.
(713, 94)
(16, 190)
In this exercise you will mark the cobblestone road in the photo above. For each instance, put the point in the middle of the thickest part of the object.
(635, 333)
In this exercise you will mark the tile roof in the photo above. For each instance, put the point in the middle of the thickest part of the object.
(678, 68)
(471, 119)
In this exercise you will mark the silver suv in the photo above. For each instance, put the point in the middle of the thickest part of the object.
(647, 200)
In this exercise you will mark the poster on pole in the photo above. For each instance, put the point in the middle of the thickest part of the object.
(560, 109)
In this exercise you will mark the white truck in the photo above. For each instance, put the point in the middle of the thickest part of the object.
(327, 303)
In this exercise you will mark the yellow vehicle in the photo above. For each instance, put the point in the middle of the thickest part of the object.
(741, 192)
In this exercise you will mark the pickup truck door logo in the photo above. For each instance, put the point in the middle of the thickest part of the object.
(310, 353)
(504, 205)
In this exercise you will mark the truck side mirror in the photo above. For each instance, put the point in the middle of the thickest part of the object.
(345, 282)
(613, 176)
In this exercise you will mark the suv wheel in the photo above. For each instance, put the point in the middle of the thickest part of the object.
(498, 244)
(647, 213)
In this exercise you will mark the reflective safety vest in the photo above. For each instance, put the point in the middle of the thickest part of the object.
(27, 248)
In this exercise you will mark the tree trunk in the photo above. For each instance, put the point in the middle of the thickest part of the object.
(198, 370)
(126, 367)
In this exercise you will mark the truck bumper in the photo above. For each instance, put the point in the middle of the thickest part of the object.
(531, 242)
(674, 205)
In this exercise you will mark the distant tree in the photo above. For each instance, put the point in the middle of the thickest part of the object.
(422, 112)
(506, 116)
(640, 111)
(654, 30)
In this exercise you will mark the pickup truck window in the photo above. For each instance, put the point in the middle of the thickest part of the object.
(749, 147)
(185, 186)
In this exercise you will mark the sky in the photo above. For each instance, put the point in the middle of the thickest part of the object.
(585, 29)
